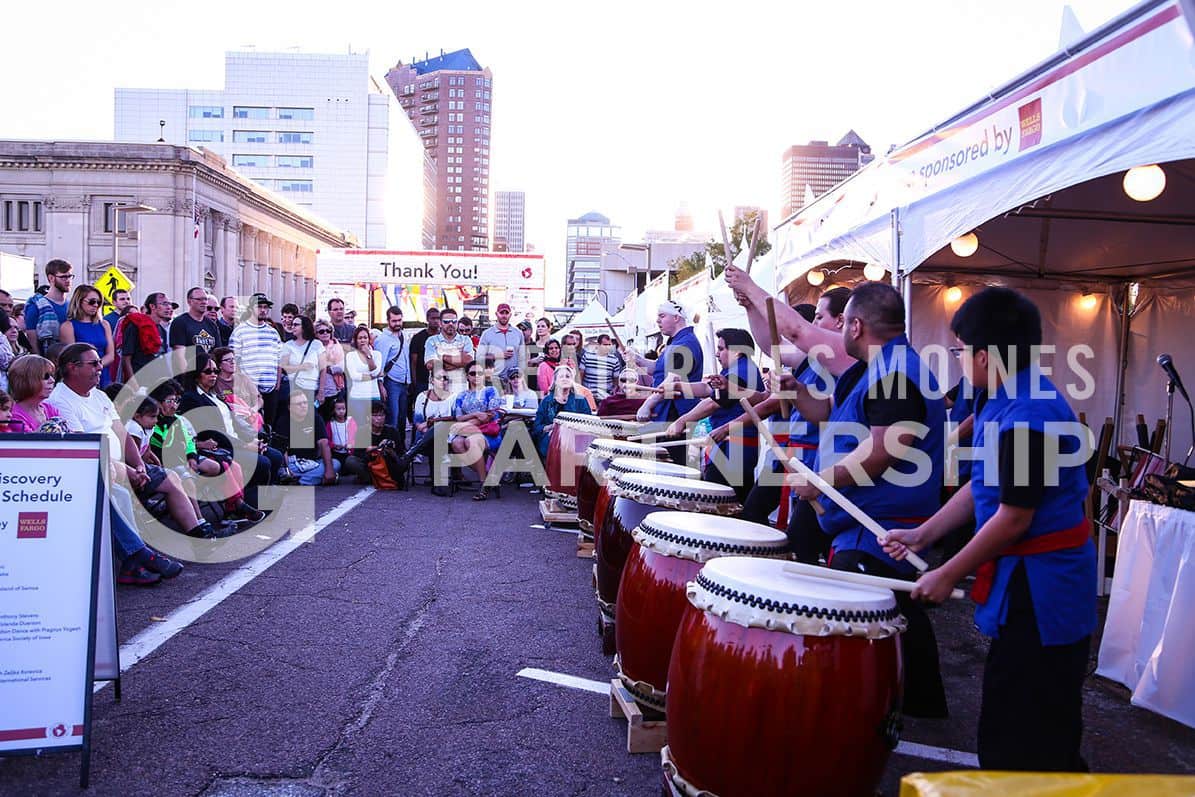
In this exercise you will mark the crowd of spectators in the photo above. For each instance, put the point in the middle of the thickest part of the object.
(202, 408)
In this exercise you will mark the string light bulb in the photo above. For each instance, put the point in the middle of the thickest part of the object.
(954, 294)
(816, 277)
(1144, 183)
(965, 245)
(874, 272)
(1088, 301)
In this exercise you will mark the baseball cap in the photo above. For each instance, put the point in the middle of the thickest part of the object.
(501, 307)
(260, 299)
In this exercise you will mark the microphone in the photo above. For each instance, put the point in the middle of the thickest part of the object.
(1167, 364)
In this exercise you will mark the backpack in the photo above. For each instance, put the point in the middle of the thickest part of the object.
(47, 320)
(386, 470)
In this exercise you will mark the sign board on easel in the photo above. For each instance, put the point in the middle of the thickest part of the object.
(51, 490)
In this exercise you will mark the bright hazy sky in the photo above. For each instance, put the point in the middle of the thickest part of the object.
(626, 108)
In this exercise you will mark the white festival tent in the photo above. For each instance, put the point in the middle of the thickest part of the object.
(1035, 170)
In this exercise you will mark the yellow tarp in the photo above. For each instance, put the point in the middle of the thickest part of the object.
(1027, 784)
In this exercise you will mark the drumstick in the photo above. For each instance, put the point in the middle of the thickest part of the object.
(754, 247)
(636, 438)
(725, 239)
(894, 584)
(780, 454)
(617, 340)
(832, 493)
(785, 408)
(696, 441)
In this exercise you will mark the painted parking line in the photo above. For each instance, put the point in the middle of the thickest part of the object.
(158, 634)
(912, 749)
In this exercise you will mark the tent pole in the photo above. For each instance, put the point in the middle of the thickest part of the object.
(900, 280)
(1126, 320)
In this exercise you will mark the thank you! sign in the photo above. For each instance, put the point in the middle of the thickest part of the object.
(50, 533)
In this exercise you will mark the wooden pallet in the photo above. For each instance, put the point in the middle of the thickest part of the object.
(643, 735)
(551, 512)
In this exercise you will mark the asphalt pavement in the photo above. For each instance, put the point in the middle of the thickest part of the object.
(381, 657)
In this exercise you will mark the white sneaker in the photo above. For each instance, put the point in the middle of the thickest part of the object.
(420, 459)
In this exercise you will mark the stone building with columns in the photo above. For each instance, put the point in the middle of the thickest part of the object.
(174, 216)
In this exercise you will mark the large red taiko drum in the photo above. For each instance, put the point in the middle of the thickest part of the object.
(669, 550)
(635, 496)
(782, 684)
(571, 435)
(598, 456)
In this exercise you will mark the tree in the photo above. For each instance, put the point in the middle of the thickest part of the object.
(714, 252)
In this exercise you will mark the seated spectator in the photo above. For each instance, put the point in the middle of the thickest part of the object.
(309, 456)
(82, 407)
(562, 398)
(521, 396)
(31, 380)
(221, 429)
(7, 354)
(5, 412)
(476, 429)
(380, 435)
(236, 390)
(432, 406)
(624, 402)
(183, 509)
(172, 442)
(341, 430)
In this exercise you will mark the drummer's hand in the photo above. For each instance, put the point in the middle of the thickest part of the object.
(643, 414)
(675, 429)
(716, 382)
(934, 586)
(736, 279)
(900, 542)
(719, 434)
(799, 486)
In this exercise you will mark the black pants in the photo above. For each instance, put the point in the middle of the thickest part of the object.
(739, 476)
(762, 501)
(924, 694)
(1031, 717)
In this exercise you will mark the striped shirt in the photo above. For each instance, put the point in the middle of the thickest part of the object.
(258, 352)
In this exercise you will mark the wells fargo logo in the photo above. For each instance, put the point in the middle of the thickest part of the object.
(1030, 114)
(31, 525)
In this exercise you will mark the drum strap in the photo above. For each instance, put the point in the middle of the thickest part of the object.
(1062, 540)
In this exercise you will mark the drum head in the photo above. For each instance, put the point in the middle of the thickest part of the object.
(606, 448)
(592, 424)
(761, 593)
(703, 537)
(689, 495)
(622, 465)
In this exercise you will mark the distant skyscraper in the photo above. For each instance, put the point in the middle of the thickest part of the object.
(508, 221)
(447, 99)
(304, 125)
(821, 167)
(587, 236)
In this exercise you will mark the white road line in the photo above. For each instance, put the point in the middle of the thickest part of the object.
(929, 752)
(157, 634)
(932, 753)
(571, 681)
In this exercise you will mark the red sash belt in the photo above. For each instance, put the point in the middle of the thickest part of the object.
(1061, 540)
(747, 442)
(785, 491)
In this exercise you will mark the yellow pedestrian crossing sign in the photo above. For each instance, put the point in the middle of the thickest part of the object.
(113, 280)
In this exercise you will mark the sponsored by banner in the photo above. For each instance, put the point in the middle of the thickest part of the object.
(49, 492)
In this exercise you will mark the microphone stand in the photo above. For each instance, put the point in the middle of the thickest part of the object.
(1169, 415)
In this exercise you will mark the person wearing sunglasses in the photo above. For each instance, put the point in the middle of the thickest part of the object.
(30, 380)
(332, 377)
(84, 324)
(44, 314)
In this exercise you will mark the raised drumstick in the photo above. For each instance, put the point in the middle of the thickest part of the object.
(832, 493)
(766, 435)
(785, 407)
(894, 584)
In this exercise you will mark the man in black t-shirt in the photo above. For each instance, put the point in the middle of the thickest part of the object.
(192, 330)
(417, 345)
(308, 453)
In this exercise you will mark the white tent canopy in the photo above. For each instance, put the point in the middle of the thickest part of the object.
(1035, 170)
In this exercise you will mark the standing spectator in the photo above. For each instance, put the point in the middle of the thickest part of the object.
(465, 327)
(227, 319)
(143, 338)
(448, 351)
(418, 344)
(212, 312)
(363, 365)
(332, 380)
(600, 366)
(396, 371)
(290, 312)
(84, 325)
(7, 354)
(502, 344)
(547, 368)
(31, 380)
(121, 301)
(6, 302)
(85, 408)
(192, 330)
(303, 358)
(258, 352)
(44, 314)
(535, 354)
(342, 330)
